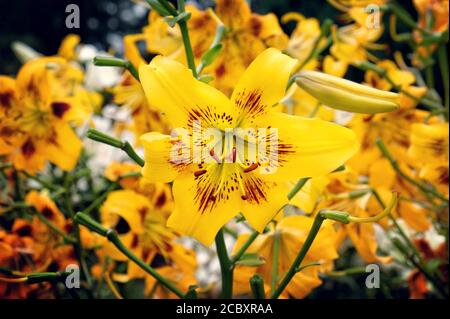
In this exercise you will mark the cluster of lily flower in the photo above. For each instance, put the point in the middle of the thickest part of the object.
(361, 171)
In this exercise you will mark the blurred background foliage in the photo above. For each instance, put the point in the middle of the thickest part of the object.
(41, 23)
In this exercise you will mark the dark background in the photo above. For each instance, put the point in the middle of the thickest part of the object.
(41, 23)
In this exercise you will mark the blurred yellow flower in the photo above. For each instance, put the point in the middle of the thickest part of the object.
(35, 128)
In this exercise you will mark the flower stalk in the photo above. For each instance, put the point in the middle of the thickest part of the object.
(98, 136)
(257, 287)
(116, 62)
(423, 187)
(225, 266)
(112, 236)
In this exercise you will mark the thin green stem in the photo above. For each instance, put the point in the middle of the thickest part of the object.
(443, 65)
(244, 247)
(112, 61)
(429, 76)
(404, 16)
(225, 266)
(53, 227)
(318, 220)
(275, 258)
(315, 51)
(101, 137)
(44, 183)
(99, 200)
(423, 187)
(78, 247)
(300, 183)
(113, 237)
(257, 286)
(397, 226)
(365, 66)
(186, 40)
(440, 289)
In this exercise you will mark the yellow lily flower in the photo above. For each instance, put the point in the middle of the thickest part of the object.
(290, 233)
(439, 13)
(302, 39)
(439, 10)
(429, 152)
(400, 77)
(356, 9)
(35, 128)
(351, 44)
(207, 195)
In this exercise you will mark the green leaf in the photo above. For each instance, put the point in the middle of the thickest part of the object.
(307, 266)
(205, 78)
(209, 56)
(433, 265)
(251, 260)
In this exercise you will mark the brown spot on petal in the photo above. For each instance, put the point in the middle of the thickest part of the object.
(5, 99)
(220, 71)
(161, 200)
(134, 241)
(255, 26)
(59, 108)
(24, 230)
(28, 148)
(47, 212)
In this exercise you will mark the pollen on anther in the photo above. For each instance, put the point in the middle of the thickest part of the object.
(199, 172)
(252, 167)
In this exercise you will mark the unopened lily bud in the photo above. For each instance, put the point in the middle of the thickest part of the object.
(346, 95)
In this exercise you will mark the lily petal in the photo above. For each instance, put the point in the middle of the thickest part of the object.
(307, 147)
(263, 84)
(203, 204)
(171, 88)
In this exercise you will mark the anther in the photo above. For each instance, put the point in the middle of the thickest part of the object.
(250, 168)
(199, 172)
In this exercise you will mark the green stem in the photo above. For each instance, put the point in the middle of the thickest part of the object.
(113, 237)
(53, 227)
(225, 266)
(111, 61)
(300, 183)
(257, 286)
(423, 187)
(318, 220)
(365, 66)
(315, 51)
(97, 202)
(440, 289)
(244, 247)
(429, 74)
(101, 137)
(404, 16)
(397, 226)
(275, 257)
(77, 245)
(186, 41)
(44, 183)
(443, 65)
